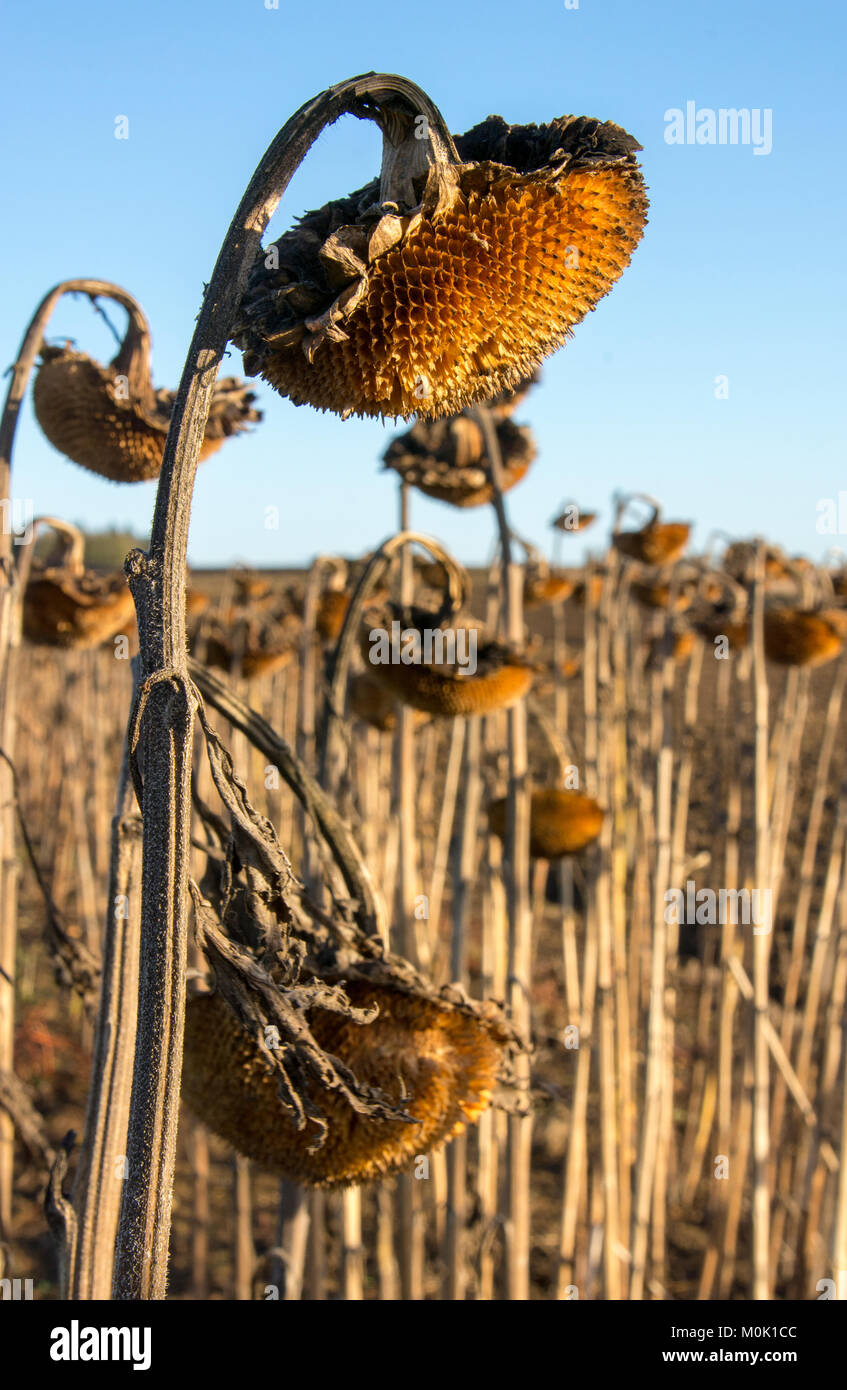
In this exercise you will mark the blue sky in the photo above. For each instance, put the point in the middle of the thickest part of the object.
(741, 272)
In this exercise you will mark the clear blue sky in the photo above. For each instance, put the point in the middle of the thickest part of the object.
(741, 271)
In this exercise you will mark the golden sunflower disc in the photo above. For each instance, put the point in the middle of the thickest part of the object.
(369, 309)
(85, 412)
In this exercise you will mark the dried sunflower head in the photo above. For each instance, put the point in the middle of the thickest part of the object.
(320, 1055)
(659, 594)
(246, 649)
(803, 637)
(445, 671)
(66, 605)
(550, 587)
(725, 621)
(371, 306)
(252, 590)
(675, 645)
(435, 1058)
(445, 459)
(572, 518)
(739, 560)
(561, 822)
(112, 421)
(657, 543)
(594, 588)
(65, 610)
(372, 703)
(331, 612)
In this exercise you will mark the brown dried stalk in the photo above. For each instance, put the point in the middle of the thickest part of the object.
(168, 701)
(410, 1212)
(761, 953)
(12, 581)
(516, 858)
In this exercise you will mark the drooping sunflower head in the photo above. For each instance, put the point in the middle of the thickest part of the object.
(111, 420)
(445, 459)
(373, 307)
(804, 637)
(561, 822)
(438, 1060)
(67, 605)
(444, 669)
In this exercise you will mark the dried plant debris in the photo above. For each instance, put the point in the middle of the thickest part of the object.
(318, 1054)
(372, 308)
(112, 421)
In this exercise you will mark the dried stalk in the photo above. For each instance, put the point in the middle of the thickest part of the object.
(101, 1171)
(656, 1078)
(410, 1207)
(456, 1270)
(516, 855)
(575, 1166)
(12, 581)
(167, 702)
(600, 902)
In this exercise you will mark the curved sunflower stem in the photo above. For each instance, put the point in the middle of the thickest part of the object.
(12, 583)
(376, 569)
(168, 700)
(516, 858)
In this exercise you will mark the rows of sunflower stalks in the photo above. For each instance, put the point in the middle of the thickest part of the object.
(462, 1014)
(639, 658)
